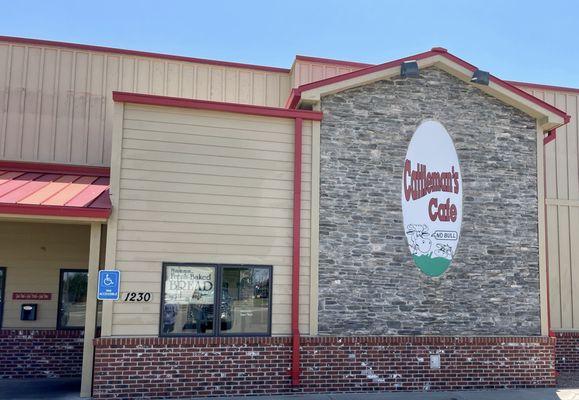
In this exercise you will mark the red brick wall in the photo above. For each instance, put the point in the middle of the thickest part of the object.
(40, 353)
(186, 367)
(567, 351)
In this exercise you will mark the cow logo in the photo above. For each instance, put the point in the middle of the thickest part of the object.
(432, 198)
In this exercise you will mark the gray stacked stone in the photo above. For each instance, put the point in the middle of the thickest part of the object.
(368, 282)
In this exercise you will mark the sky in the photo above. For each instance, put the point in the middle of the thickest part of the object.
(526, 40)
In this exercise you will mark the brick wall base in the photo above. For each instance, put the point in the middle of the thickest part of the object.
(187, 367)
(567, 351)
(40, 353)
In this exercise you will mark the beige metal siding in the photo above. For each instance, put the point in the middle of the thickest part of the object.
(308, 71)
(56, 103)
(207, 186)
(33, 254)
(562, 199)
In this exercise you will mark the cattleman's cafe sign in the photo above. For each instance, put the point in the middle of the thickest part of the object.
(432, 198)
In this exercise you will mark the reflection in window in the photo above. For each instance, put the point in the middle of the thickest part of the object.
(72, 299)
(245, 300)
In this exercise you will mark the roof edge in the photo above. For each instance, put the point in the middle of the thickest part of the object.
(139, 53)
(146, 99)
(63, 169)
(55, 211)
(545, 86)
(333, 61)
(295, 96)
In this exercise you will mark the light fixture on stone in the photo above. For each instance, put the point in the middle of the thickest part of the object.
(480, 77)
(409, 69)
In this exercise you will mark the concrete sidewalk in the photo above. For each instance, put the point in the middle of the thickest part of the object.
(523, 394)
(67, 389)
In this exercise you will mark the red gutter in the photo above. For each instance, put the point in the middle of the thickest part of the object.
(295, 371)
(139, 53)
(63, 169)
(554, 134)
(55, 211)
(154, 100)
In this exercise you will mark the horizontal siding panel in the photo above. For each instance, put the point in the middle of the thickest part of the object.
(249, 154)
(218, 258)
(194, 178)
(191, 198)
(194, 159)
(221, 191)
(171, 116)
(209, 187)
(185, 228)
(284, 135)
(206, 238)
(189, 248)
(207, 140)
(208, 219)
(208, 170)
(197, 208)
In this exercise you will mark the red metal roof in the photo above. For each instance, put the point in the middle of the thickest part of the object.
(54, 190)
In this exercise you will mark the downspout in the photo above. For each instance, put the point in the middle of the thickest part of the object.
(550, 136)
(295, 369)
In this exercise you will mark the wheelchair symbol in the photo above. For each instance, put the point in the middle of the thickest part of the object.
(108, 281)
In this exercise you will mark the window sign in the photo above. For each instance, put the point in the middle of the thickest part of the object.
(432, 198)
(190, 285)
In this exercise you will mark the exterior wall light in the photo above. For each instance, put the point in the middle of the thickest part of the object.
(409, 69)
(480, 77)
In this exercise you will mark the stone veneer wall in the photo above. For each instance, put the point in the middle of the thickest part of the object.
(40, 353)
(368, 283)
(157, 368)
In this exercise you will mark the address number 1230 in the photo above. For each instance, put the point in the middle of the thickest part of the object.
(137, 296)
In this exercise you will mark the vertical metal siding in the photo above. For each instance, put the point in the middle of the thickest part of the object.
(307, 71)
(56, 103)
(562, 198)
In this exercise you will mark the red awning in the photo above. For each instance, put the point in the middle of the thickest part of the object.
(54, 190)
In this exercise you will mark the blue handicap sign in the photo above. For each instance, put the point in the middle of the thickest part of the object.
(109, 283)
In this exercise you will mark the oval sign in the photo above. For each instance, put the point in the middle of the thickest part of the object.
(432, 198)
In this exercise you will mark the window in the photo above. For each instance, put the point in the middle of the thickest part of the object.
(2, 290)
(191, 304)
(72, 299)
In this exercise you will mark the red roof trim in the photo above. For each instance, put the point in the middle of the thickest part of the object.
(512, 88)
(361, 72)
(332, 61)
(295, 96)
(62, 169)
(138, 53)
(55, 211)
(215, 106)
(545, 87)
